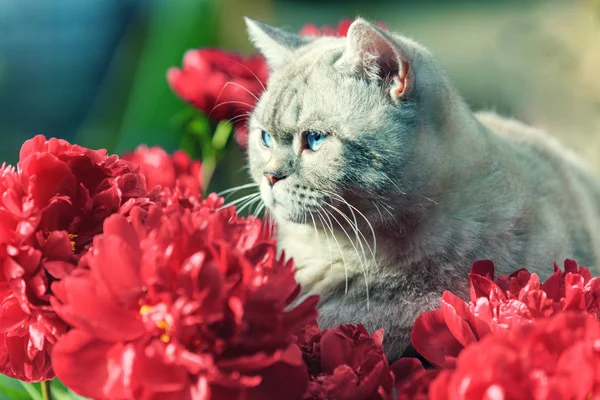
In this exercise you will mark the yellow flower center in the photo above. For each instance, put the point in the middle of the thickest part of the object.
(71, 236)
(163, 324)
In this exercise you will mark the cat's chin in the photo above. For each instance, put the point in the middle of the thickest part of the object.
(285, 215)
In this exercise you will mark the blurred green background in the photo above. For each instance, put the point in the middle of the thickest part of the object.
(93, 71)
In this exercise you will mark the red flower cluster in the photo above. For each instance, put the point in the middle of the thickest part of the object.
(552, 358)
(174, 179)
(182, 304)
(134, 294)
(168, 171)
(223, 85)
(499, 305)
(50, 209)
(345, 363)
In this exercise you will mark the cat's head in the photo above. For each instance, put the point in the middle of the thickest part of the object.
(341, 118)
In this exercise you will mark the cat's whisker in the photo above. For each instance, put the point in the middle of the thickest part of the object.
(237, 118)
(229, 102)
(357, 232)
(327, 240)
(362, 264)
(240, 86)
(237, 189)
(241, 199)
(330, 226)
(249, 203)
(393, 183)
(259, 207)
(351, 208)
(253, 74)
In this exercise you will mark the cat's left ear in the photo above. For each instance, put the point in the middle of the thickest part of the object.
(275, 44)
(376, 55)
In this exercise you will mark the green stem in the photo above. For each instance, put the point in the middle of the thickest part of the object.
(46, 392)
(209, 165)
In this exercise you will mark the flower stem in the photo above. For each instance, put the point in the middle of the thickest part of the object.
(46, 392)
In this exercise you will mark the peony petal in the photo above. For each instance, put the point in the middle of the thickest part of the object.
(118, 264)
(483, 268)
(433, 340)
(11, 315)
(458, 318)
(88, 305)
(93, 368)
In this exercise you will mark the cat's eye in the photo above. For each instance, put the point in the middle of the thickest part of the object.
(314, 140)
(266, 139)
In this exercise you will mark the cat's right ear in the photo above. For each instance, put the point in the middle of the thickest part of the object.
(375, 54)
(275, 44)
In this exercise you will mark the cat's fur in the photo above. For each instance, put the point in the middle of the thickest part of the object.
(440, 185)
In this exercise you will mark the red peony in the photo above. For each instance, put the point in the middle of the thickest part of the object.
(50, 209)
(411, 379)
(501, 304)
(176, 179)
(181, 304)
(345, 363)
(551, 358)
(328, 30)
(223, 85)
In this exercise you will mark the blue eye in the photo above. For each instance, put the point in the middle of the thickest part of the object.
(266, 139)
(314, 140)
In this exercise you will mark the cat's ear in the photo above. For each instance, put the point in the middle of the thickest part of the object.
(376, 55)
(275, 44)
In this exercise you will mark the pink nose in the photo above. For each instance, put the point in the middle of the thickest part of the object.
(271, 178)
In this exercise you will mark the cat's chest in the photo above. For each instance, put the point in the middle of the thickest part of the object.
(324, 260)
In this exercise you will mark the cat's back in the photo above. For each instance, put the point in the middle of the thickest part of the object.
(563, 192)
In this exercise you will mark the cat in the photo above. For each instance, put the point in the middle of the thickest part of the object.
(385, 187)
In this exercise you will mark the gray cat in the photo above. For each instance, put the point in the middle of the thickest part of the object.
(385, 186)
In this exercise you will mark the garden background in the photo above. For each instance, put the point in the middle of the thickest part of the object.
(94, 72)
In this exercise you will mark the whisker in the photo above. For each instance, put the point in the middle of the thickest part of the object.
(229, 102)
(249, 203)
(327, 240)
(351, 207)
(237, 188)
(239, 200)
(330, 226)
(363, 267)
(252, 72)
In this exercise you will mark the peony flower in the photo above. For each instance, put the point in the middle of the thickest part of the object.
(551, 358)
(345, 363)
(175, 179)
(311, 29)
(223, 85)
(182, 304)
(411, 379)
(167, 171)
(499, 305)
(50, 209)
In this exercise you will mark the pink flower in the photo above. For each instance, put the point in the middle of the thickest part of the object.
(182, 304)
(507, 302)
(551, 358)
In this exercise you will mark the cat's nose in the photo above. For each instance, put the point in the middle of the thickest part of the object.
(272, 177)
